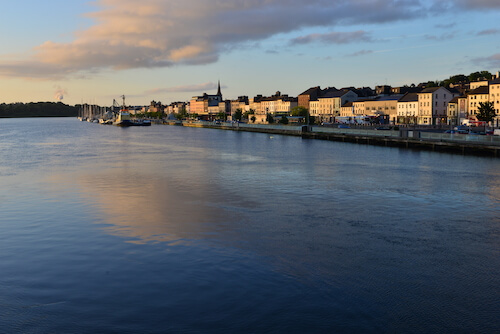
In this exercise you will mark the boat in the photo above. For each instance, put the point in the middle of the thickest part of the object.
(123, 117)
(143, 122)
(107, 118)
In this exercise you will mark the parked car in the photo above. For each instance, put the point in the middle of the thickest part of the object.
(462, 128)
(383, 128)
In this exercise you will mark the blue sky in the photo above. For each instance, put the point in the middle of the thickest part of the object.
(166, 50)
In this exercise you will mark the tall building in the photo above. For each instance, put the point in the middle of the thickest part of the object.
(204, 105)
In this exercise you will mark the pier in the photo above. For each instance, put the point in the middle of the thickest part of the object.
(466, 144)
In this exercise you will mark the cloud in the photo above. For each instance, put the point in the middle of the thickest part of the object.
(161, 33)
(491, 61)
(334, 38)
(478, 4)
(443, 37)
(488, 32)
(446, 26)
(461, 5)
(360, 53)
(207, 86)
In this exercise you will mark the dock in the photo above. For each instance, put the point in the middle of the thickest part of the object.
(466, 144)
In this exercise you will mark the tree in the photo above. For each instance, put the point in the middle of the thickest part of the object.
(486, 112)
(222, 115)
(300, 111)
(182, 114)
(269, 119)
(429, 84)
(253, 119)
(247, 113)
(237, 114)
(283, 120)
(483, 75)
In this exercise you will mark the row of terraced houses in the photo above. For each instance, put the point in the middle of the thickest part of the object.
(385, 104)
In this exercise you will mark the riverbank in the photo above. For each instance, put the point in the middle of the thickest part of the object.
(404, 138)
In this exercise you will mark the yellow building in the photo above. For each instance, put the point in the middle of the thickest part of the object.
(495, 98)
(457, 110)
(330, 103)
(433, 105)
(478, 95)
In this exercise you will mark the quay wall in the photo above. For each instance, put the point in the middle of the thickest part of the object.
(405, 138)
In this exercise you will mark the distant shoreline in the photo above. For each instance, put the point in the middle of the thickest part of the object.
(38, 116)
(37, 109)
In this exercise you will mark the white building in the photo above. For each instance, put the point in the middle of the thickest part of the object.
(407, 109)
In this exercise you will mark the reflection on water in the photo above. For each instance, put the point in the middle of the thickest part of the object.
(149, 208)
(195, 230)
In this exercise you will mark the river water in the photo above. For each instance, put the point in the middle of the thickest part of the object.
(168, 229)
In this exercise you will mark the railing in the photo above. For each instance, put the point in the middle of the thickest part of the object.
(455, 137)
(357, 132)
(248, 125)
(412, 133)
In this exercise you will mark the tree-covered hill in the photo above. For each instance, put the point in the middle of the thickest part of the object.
(38, 109)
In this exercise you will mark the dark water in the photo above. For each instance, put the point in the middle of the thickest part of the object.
(178, 230)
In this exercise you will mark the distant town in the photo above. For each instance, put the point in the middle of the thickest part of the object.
(457, 100)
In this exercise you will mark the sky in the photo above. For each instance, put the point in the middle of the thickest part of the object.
(82, 51)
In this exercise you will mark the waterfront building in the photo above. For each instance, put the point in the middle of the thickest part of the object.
(383, 107)
(331, 102)
(199, 105)
(155, 107)
(476, 96)
(359, 107)
(175, 108)
(457, 110)
(225, 108)
(347, 109)
(495, 98)
(314, 109)
(255, 105)
(278, 104)
(433, 105)
(213, 111)
(312, 94)
(304, 99)
(240, 103)
(407, 109)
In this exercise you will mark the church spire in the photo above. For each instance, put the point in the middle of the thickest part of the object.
(218, 90)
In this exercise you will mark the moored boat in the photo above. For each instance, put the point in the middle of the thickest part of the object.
(123, 117)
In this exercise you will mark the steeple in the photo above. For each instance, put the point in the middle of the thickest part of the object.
(218, 91)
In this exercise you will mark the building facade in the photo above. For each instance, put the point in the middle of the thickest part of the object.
(407, 109)
(433, 105)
